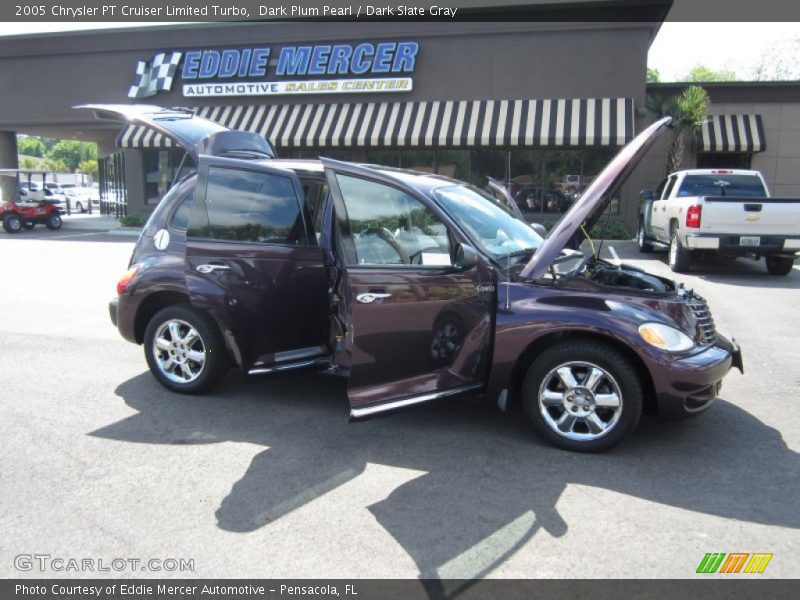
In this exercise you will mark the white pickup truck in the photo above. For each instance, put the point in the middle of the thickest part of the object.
(726, 211)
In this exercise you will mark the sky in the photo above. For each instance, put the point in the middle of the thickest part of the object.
(677, 48)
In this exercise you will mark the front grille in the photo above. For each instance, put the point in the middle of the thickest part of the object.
(706, 333)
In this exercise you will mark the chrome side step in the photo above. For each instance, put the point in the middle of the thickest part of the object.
(374, 409)
(299, 354)
(290, 366)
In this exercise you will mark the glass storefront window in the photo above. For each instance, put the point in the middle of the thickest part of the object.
(548, 181)
(160, 167)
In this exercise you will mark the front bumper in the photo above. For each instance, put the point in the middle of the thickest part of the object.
(687, 386)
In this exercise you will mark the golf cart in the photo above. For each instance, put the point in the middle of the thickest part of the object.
(29, 206)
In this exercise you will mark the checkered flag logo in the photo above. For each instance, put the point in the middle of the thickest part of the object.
(151, 79)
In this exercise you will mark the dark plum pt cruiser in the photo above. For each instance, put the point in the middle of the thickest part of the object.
(414, 286)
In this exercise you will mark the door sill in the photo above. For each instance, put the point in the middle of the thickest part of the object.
(361, 412)
(321, 363)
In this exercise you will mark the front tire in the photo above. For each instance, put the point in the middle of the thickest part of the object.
(680, 258)
(779, 265)
(582, 396)
(53, 221)
(185, 350)
(645, 247)
(12, 223)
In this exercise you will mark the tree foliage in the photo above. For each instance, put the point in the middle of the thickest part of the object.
(31, 146)
(72, 152)
(701, 73)
(688, 111)
(653, 76)
(89, 167)
(779, 62)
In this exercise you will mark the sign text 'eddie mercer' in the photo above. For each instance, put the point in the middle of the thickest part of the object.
(365, 67)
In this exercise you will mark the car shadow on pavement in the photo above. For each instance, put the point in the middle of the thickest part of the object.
(490, 485)
(740, 271)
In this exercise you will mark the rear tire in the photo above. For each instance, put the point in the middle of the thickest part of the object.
(185, 350)
(779, 265)
(53, 221)
(582, 396)
(12, 223)
(680, 258)
(643, 241)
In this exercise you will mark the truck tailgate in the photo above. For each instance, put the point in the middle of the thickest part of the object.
(756, 216)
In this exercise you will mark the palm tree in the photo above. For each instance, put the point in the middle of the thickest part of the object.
(688, 111)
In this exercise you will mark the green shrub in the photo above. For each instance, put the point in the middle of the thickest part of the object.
(133, 220)
(615, 230)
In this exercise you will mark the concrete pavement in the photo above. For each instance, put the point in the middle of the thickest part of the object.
(268, 479)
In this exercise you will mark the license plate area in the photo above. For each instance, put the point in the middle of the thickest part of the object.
(750, 240)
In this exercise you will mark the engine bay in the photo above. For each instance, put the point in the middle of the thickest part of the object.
(614, 275)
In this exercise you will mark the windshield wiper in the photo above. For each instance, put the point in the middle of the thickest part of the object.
(523, 252)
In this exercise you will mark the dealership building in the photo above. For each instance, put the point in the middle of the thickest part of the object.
(527, 101)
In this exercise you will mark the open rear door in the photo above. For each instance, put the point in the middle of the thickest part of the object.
(418, 327)
(196, 134)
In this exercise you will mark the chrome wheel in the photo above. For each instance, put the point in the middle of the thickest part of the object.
(179, 351)
(580, 401)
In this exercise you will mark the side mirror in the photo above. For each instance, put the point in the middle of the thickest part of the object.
(466, 257)
(539, 228)
(646, 196)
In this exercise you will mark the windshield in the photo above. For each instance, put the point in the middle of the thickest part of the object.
(491, 228)
(722, 185)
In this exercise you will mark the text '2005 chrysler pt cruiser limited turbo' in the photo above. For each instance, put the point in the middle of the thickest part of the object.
(414, 286)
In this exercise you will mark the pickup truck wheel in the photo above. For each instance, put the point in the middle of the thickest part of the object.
(680, 258)
(12, 223)
(643, 241)
(779, 265)
(185, 350)
(53, 221)
(582, 396)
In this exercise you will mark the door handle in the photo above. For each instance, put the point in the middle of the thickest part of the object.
(370, 297)
(209, 268)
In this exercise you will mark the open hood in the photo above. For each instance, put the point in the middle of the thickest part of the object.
(590, 206)
(196, 134)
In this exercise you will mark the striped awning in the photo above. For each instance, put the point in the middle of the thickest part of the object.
(445, 124)
(733, 133)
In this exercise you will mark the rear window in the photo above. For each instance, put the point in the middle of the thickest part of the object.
(722, 185)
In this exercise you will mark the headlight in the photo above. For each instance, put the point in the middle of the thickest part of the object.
(665, 337)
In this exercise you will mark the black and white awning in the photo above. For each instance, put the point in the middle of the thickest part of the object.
(733, 133)
(439, 124)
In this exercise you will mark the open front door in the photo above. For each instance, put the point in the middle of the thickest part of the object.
(418, 327)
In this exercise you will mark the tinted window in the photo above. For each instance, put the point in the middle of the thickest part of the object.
(246, 206)
(722, 185)
(180, 218)
(389, 227)
(670, 185)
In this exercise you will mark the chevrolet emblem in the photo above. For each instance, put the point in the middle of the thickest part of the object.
(752, 217)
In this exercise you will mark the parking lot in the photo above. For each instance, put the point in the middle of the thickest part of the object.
(268, 479)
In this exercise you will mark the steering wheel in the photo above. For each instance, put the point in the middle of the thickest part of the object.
(385, 235)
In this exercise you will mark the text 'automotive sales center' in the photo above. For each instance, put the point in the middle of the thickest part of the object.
(543, 104)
